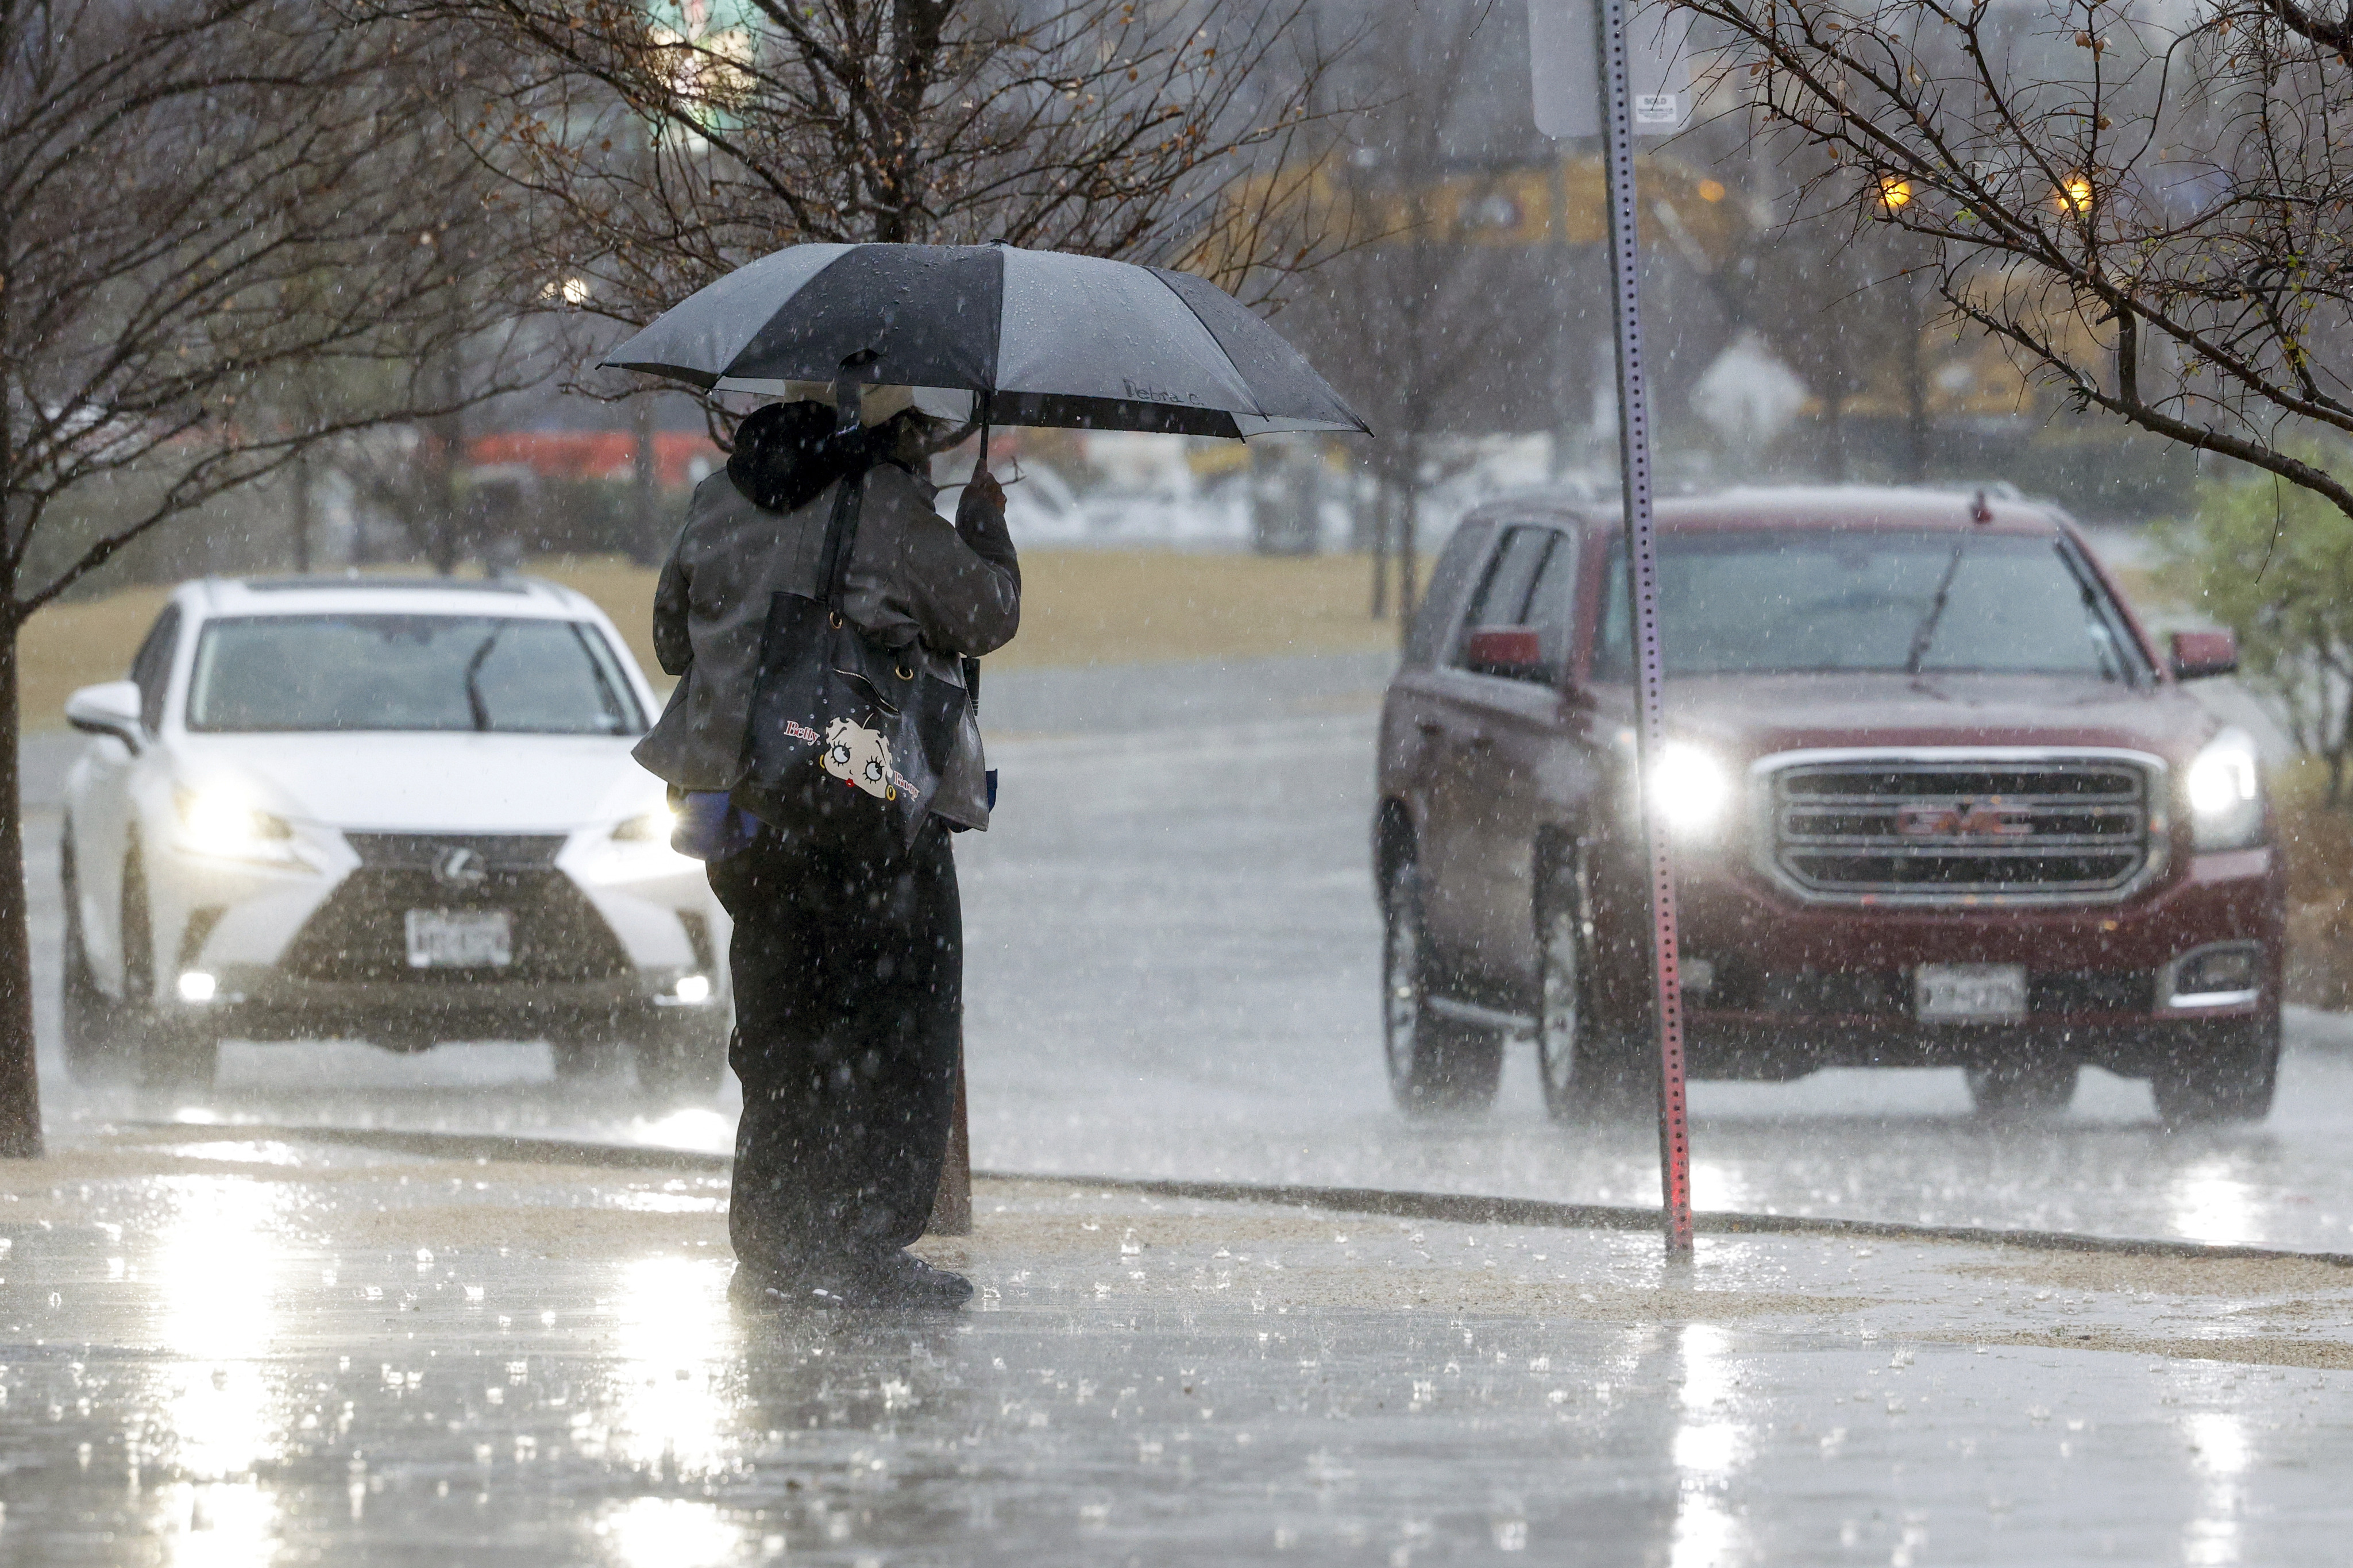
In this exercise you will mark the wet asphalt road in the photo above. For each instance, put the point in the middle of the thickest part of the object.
(1171, 945)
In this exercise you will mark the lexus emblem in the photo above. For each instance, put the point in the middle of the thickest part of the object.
(460, 866)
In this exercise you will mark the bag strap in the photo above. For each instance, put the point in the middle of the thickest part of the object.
(840, 538)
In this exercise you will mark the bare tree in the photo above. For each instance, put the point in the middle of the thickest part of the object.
(667, 143)
(1406, 318)
(227, 227)
(2142, 204)
(1849, 312)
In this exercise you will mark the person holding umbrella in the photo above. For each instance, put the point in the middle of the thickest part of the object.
(847, 972)
(847, 964)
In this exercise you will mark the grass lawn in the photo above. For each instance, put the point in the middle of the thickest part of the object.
(66, 647)
(1079, 606)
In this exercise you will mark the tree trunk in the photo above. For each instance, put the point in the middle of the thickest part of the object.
(20, 1084)
(300, 478)
(644, 549)
(1834, 421)
(2340, 748)
(443, 548)
(1916, 388)
(447, 433)
(1381, 512)
(20, 1088)
(1408, 523)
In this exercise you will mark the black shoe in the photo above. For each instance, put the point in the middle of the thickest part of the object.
(897, 1279)
(756, 1290)
(903, 1280)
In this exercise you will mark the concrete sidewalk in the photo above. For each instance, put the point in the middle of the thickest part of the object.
(224, 1350)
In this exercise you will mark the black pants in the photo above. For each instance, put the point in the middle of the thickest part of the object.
(848, 1000)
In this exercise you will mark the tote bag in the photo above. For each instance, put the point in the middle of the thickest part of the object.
(847, 741)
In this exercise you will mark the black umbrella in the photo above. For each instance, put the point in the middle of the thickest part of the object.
(1017, 337)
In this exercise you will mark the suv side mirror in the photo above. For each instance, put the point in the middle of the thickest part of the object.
(109, 709)
(1515, 653)
(2197, 655)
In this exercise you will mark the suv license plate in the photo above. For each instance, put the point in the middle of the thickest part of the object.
(1970, 993)
(459, 939)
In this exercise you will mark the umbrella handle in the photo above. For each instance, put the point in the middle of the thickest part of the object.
(982, 462)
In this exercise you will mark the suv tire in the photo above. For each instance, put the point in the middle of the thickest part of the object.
(2228, 1072)
(1434, 1063)
(2022, 1090)
(1590, 1072)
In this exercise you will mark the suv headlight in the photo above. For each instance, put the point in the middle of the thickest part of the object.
(222, 823)
(2224, 789)
(1689, 788)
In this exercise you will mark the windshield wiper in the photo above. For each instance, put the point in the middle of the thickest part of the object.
(1928, 632)
(474, 703)
(616, 722)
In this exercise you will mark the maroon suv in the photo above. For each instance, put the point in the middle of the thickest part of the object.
(1937, 801)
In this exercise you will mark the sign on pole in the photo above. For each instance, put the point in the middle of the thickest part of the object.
(1566, 77)
(1622, 61)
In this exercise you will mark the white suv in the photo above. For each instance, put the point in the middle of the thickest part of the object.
(401, 812)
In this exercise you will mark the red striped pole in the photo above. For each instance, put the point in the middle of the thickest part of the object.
(1642, 588)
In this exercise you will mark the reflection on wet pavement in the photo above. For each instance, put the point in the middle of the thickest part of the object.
(231, 1352)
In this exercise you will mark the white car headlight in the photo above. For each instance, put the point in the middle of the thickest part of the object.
(218, 821)
(655, 825)
(1689, 788)
(2223, 788)
(637, 848)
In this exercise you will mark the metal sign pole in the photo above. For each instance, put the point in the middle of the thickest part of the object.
(1642, 588)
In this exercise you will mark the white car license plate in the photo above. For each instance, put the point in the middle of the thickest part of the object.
(1970, 993)
(459, 939)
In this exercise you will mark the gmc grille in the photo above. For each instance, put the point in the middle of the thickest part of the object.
(1936, 831)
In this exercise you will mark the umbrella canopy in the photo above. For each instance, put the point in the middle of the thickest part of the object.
(1020, 337)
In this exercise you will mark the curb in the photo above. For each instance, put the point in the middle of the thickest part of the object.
(1464, 1208)
(1468, 1208)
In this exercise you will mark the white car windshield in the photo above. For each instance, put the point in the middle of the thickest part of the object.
(507, 675)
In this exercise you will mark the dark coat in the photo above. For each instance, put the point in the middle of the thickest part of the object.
(915, 583)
